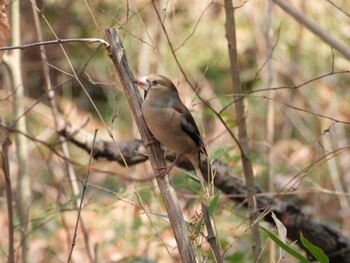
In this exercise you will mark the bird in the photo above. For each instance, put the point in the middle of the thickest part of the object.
(170, 121)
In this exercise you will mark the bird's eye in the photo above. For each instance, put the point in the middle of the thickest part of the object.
(155, 82)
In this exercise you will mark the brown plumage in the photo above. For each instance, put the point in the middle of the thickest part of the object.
(170, 122)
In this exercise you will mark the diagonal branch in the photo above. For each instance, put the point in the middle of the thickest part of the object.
(313, 27)
(118, 56)
(57, 41)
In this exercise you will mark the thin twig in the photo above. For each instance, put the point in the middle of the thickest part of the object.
(211, 235)
(288, 106)
(271, 50)
(230, 30)
(305, 110)
(52, 148)
(85, 184)
(24, 191)
(79, 72)
(4, 142)
(304, 83)
(195, 26)
(315, 28)
(339, 8)
(270, 121)
(58, 41)
(76, 77)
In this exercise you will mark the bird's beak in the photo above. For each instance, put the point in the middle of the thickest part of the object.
(142, 83)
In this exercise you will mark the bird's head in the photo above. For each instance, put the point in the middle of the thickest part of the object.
(155, 83)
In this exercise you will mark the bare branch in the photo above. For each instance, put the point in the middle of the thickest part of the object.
(24, 190)
(118, 56)
(85, 184)
(230, 29)
(315, 28)
(195, 26)
(4, 144)
(304, 83)
(305, 110)
(339, 8)
(211, 235)
(272, 49)
(58, 41)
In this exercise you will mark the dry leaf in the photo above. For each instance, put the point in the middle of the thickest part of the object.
(4, 27)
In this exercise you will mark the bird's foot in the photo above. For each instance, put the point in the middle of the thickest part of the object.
(166, 169)
(152, 141)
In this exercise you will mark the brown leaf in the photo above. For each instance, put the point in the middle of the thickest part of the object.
(4, 27)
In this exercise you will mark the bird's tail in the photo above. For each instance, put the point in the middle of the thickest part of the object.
(202, 167)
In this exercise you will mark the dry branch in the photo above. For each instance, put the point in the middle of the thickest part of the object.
(4, 160)
(85, 184)
(243, 140)
(211, 238)
(315, 28)
(55, 42)
(118, 56)
(24, 191)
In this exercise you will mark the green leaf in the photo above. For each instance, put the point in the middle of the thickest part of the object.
(214, 203)
(286, 247)
(211, 209)
(317, 252)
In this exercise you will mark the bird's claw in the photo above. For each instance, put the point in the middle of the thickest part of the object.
(152, 141)
(167, 169)
(164, 170)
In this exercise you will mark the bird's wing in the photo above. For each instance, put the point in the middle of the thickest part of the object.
(188, 125)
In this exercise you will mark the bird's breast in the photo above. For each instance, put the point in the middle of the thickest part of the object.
(165, 125)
